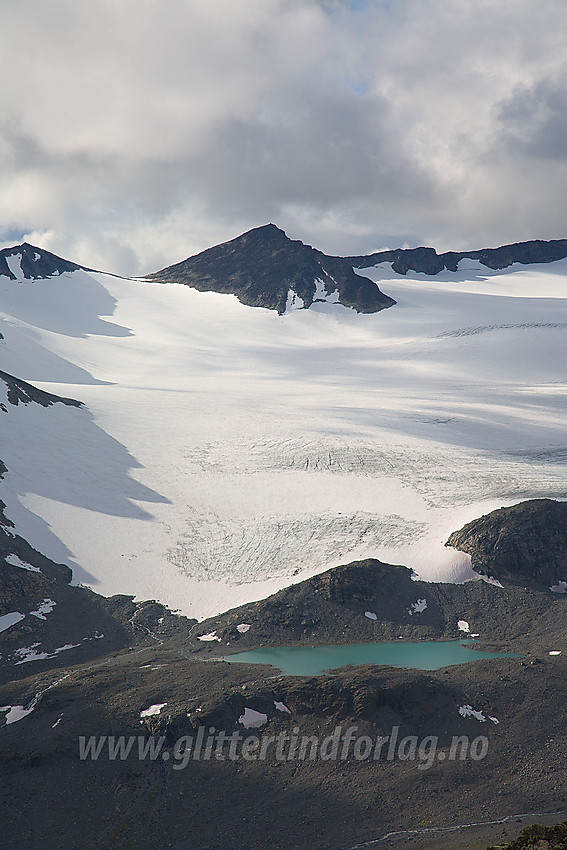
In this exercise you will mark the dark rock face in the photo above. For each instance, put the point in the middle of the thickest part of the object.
(427, 261)
(524, 543)
(20, 391)
(35, 262)
(262, 266)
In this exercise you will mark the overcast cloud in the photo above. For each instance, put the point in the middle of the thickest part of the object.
(134, 133)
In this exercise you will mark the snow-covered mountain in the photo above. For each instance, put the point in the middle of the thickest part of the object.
(223, 451)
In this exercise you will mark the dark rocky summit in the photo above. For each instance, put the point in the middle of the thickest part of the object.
(526, 543)
(428, 261)
(35, 262)
(262, 266)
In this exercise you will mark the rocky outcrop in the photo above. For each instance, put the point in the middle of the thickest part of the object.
(264, 268)
(428, 261)
(368, 600)
(34, 262)
(20, 391)
(524, 543)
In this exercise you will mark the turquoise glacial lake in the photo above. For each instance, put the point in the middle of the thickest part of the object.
(312, 660)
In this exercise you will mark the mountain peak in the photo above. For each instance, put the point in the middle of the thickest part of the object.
(265, 268)
(26, 262)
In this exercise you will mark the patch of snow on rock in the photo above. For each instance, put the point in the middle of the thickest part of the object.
(560, 587)
(463, 626)
(209, 636)
(18, 712)
(14, 262)
(321, 293)
(7, 620)
(371, 615)
(46, 607)
(243, 628)
(282, 707)
(417, 607)
(490, 580)
(294, 302)
(30, 653)
(468, 711)
(252, 719)
(153, 709)
(15, 561)
(555, 652)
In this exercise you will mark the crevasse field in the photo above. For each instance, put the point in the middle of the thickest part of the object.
(225, 451)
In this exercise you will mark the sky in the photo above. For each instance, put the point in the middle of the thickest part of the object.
(135, 133)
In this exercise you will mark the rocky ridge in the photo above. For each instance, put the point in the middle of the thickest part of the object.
(525, 543)
(368, 600)
(34, 263)
(264, 268)
(428, 261)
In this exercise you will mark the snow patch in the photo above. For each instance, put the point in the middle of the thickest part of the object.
(209, 636)
(468, 711)
(18, 712)
(153, 709)
(46, 607)
(371, 615)
(294, 302)
(15, 561)
(555, 652)
(417, 607)
(7, 620)
(30, 653)
(14, 262)
(321, 293)
(243, 628)
(560, 587)
(252, 719)
(463, 626)
(490, 580)
(282, 707)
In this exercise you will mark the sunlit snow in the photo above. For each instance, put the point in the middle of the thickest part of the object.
(226, 451)
(153, 709)
(209, 636)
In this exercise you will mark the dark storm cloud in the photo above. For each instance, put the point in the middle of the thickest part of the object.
(534, 121)
(131, 136)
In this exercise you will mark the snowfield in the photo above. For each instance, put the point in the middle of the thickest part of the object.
(225, 452)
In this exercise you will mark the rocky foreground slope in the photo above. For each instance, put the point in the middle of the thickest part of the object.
(150, 678)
